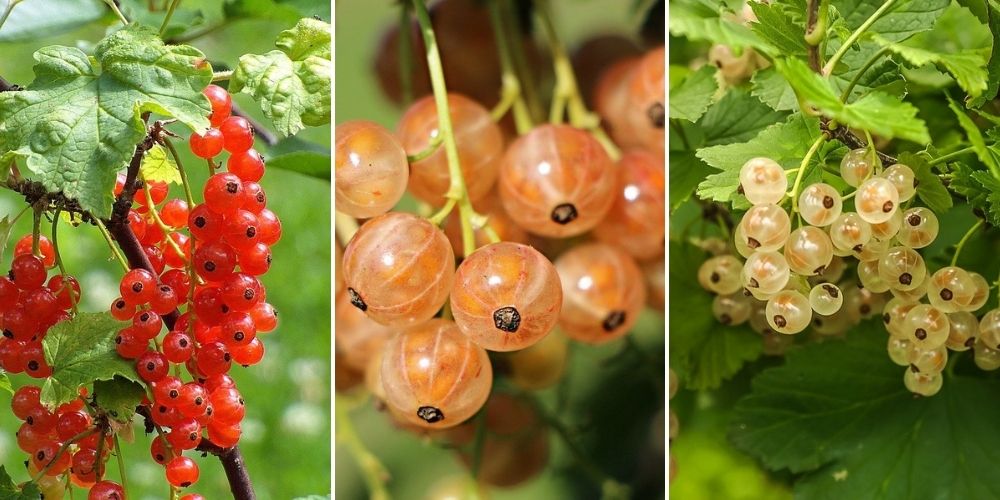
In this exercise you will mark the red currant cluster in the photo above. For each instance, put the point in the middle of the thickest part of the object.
(30, 306)
(525, 278)
(213, 273)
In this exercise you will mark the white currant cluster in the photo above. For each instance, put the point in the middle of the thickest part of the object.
(790, 279)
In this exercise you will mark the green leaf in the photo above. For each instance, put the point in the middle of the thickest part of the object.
(905, 19)
(81, 351)
(39, 18)
(786, 143)
(736, 117)
(975, 136)
(292, 84)
(5, 382)
(686, 172)
(777, 29)
(877, 112)
(980, 188)
(772, 89)
(703, 353)
(79, 121)
(158, 166)
(930, 188)
(707, 21)
(838, 414)
(11, 491)
(959, 44)
(691, 98)
(304, 162)
(884, 75)
(6, 229)
(993, 66)
(118, 397)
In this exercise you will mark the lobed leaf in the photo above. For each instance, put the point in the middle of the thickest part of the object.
(690, 99)
(80, 352)
(710, 21)
(119, 397)
(78, 123)
(158, 166)
(879, 113)
(703, 352)
(291, 84)
(930, 188)
(776, 28)
(11, 491)
(905, 19)
(838, 414)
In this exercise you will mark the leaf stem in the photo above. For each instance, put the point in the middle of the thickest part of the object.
(566, 89)
(802, 170)
(7, 11)
(442, 214)
(510, 91)
(952, 155)
(965, 238)
(170, 14)
(111, 243)
(832, 63)
(429, 150)
(405, 53)
(180, 168)
(373, 471)
(62, 449)
(121, 465)
(457, 190)
(220, 76)
(118, 12)
(73, 299)
(857, 76)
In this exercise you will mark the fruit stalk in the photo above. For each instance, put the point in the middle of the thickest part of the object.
(832, 63)
(456, 190)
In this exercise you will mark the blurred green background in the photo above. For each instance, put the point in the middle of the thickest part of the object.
(615, 395)
(286, 433)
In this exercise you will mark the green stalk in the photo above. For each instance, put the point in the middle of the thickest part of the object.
(373, 471)
(7, 11)
(511, 95)
(121, 464)
(456, 190)
(961, 243)
(170, 14)
(801, 172)
(857, 76)
(832, 63)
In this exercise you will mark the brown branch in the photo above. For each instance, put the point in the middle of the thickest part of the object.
(844, 135)
(812, 12)
(6, 86)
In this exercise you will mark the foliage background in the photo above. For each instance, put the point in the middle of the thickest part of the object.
(831, 419)
(286, 433)
(612, 392)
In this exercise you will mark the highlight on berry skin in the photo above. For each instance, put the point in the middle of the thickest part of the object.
(501, 204)
(834, 258)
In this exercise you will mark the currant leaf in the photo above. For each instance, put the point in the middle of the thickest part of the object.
(78, 123)
(11, 491)
(975, 136)
(80, 351)
(980, 188)
(837, 413)
(690, 99)
(959, 44)
(785, 142)
(772, 89)
(930, 188)
(158, 166)
(993, 66)
(702, 353)
(118, 397)
(903, 20)
(292, 84)
(879, 113)
(736, 117)
(778, 29)
(710, 21)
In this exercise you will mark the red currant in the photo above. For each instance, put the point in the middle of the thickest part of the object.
(152, 366)
(182, 472)
(138, 286)
(214, 261)
(221, 103)
(247, 165)
(238, 134)
(223, 193)
(28, 272)
(207, 145)
(106, 490)
(45, 249)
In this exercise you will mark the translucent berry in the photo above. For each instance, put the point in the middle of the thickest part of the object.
(808, 251)
(926, 326)
(721, 274)
(820, 204)
(763, 181)
(857, 165)
(902, 268)
(876, 200)
(902, 178)
(826, 299)
(788, 312)
(371, 169)
(765, 272)
(603, 292)
(919, 228)
(766, 227)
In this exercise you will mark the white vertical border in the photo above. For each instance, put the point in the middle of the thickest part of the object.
(666, 255)
(333, 261)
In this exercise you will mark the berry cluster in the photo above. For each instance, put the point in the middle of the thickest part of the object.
(203, 260)
(563, 231)
(791, 279)
(30, 304)
(213, 273)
